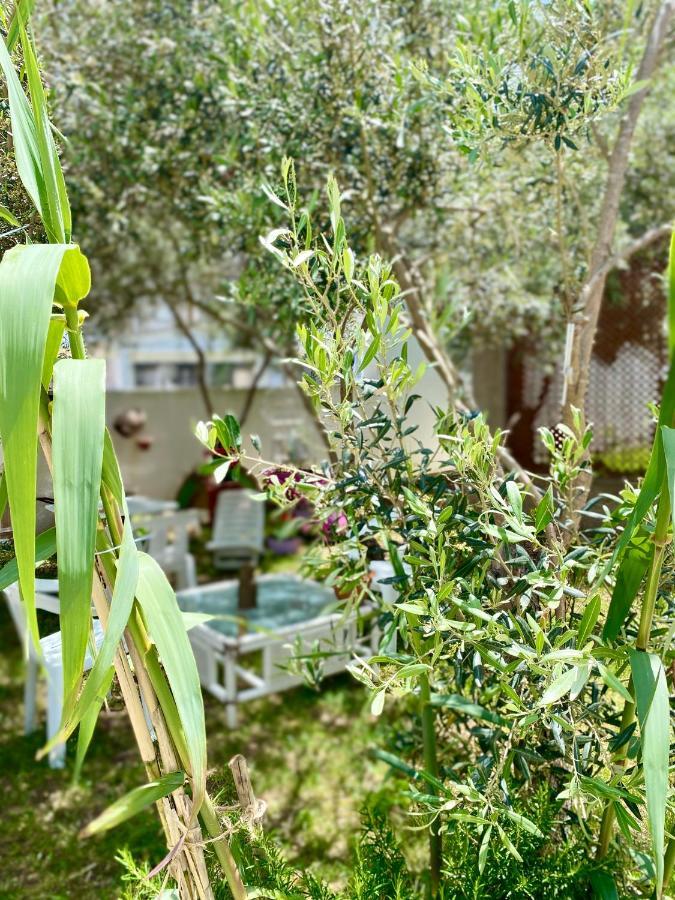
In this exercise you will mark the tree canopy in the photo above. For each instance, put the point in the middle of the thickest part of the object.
(470, 143)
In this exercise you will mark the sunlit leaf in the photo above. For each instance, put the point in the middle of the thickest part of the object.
(27, 279)
(165, 626)
(653, 713)
(88, 724)
(126, 581)
(9, 216)
(56, 212)
(668, 437)
(134, 802)
(78, 423)
(631, 573)
(45, 547)
(22, 13)
(560, 686)
(57, 325)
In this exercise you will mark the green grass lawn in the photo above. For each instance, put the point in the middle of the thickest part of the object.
(308, 755)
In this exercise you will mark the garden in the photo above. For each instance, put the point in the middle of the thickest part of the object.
(403, 627)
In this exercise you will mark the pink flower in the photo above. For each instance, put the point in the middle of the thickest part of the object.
(334, 524)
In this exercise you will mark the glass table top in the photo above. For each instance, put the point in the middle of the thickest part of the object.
(281, 601)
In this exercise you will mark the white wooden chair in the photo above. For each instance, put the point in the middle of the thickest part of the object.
(238, 530)
(168, 544)
(380, 571)
(52, 659)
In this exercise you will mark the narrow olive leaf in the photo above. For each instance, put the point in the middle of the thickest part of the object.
(588, 620)
(559, 687)
(583, 671)
(508, 844)
(126, 581)
(134, 802)
(515, 499)
(653, 713)
(28, 275)
(57, 325)
(377, 703)
(473, 710)
(525, 823)
(543, 514)
(484, 845)
(165, 626)
(45, 546)
(78, 424)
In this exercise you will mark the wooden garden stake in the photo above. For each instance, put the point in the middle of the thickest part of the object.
(253, 810)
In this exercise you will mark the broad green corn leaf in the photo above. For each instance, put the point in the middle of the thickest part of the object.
(656, 469)
(78, 425)
(126, 581)
(604, 886)
(192, 619)
(22, 14)
(45, 546)
(629, 577)
(167, 703)
(165, 626)
(3, 498)
(653, 713)
(613, 682)
(111, 475)
(58, 222)
(74, 281)
(668, 437)
(671, 297)
(27, 278)
(134, 802)
(27, 152)
(88, 724)
(9, 216)
(57, 325)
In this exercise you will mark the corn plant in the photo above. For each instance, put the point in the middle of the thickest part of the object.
(145, 646)
(496, 632)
